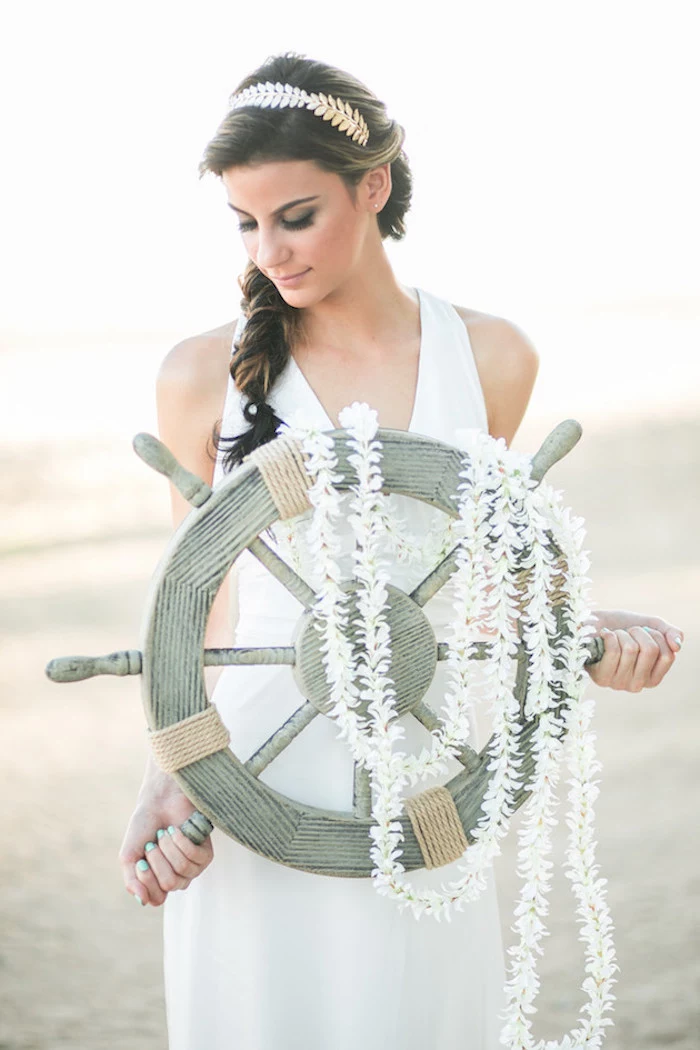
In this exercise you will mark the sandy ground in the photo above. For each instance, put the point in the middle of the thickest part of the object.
(80, 962)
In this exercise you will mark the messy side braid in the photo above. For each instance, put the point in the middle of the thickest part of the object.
(257, 134)
(259, 357)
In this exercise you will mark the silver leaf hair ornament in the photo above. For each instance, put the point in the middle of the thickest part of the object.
(282, 96)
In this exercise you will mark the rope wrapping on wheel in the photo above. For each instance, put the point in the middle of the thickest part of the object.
(282, 466)
(187, 741)
(438, 826)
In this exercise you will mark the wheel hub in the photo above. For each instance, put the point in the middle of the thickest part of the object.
(413, 652)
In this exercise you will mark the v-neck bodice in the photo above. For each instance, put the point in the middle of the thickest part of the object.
(448, 399)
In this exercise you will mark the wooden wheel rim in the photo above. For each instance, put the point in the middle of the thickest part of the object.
(184, 586)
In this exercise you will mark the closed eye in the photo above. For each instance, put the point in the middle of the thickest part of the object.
(289, 224)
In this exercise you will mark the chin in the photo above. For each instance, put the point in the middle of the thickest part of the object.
(301, 298)
(296, 297)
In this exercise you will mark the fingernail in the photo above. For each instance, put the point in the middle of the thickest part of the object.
(171, 830)
(679, 642)
(137, 898)
(149, 846)
(159, 833)
(142, 865)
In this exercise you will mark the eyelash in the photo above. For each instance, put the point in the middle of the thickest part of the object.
(297, 224)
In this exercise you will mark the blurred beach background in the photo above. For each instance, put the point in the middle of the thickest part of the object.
(554, 156)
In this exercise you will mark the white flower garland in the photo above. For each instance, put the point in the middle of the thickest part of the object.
(504, 560)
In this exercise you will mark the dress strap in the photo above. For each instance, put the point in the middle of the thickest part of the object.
(452, 395)
(238, 332)
(232, 419)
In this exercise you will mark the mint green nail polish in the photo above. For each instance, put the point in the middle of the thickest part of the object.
(150, 846)
(171, 830)
(137, 898)
(159, 833)
(142, 865)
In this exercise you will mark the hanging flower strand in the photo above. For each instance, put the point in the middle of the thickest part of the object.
(513, 540)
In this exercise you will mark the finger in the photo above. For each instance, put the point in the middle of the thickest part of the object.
(133, 885)
(675, 638)
(149, 883)
(605, 670)
(186, 859)
(674, 635)
(630, 650)
(137, 890)
(647, 657)
(613, 671)
(167, 878)
(200, 854)
(665, 657)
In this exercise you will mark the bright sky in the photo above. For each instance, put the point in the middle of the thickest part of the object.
(554, 150)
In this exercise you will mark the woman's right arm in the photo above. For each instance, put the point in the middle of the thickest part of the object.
(190, 392)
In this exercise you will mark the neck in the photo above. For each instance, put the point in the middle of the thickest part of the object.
(369, 310)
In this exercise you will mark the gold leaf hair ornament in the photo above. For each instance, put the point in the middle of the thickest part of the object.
(280, 96)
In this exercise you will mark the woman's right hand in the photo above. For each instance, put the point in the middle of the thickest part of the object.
(171, 860)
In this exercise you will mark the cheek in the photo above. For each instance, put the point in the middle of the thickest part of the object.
(337, 242)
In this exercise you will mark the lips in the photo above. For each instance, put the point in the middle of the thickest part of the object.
(290, 276)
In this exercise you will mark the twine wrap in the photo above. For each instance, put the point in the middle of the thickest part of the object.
(184, 742)
(437, 826)
(282, 467)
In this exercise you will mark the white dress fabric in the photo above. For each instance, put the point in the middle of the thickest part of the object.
(259, 956)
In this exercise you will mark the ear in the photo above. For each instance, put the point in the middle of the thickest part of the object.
(377, 187)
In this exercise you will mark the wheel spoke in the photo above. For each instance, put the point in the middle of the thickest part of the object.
(482, 650)
(432, 583)
(278, 654)
(281, 739)
(522, 674)
(480, 653)
(286, 575)
(362, 792)
(427, 717)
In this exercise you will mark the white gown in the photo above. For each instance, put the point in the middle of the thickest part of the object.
(259, 956)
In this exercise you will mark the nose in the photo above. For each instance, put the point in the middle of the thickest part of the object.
(271, 253)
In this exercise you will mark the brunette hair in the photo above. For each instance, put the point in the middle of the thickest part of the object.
(254, 135)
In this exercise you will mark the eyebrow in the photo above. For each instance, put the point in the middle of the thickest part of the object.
(278, 211)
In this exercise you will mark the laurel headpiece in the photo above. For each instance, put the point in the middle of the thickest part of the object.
(280, 96)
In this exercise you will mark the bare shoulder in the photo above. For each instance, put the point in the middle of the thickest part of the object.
(497, 342)
(507, 363)
(199, 362)
(190, 395)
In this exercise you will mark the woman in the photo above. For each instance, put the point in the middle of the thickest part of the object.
(259, 956)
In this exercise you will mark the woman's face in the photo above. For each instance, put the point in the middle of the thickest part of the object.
(298, 221)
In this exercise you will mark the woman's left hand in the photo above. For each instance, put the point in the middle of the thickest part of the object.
(639, 650)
